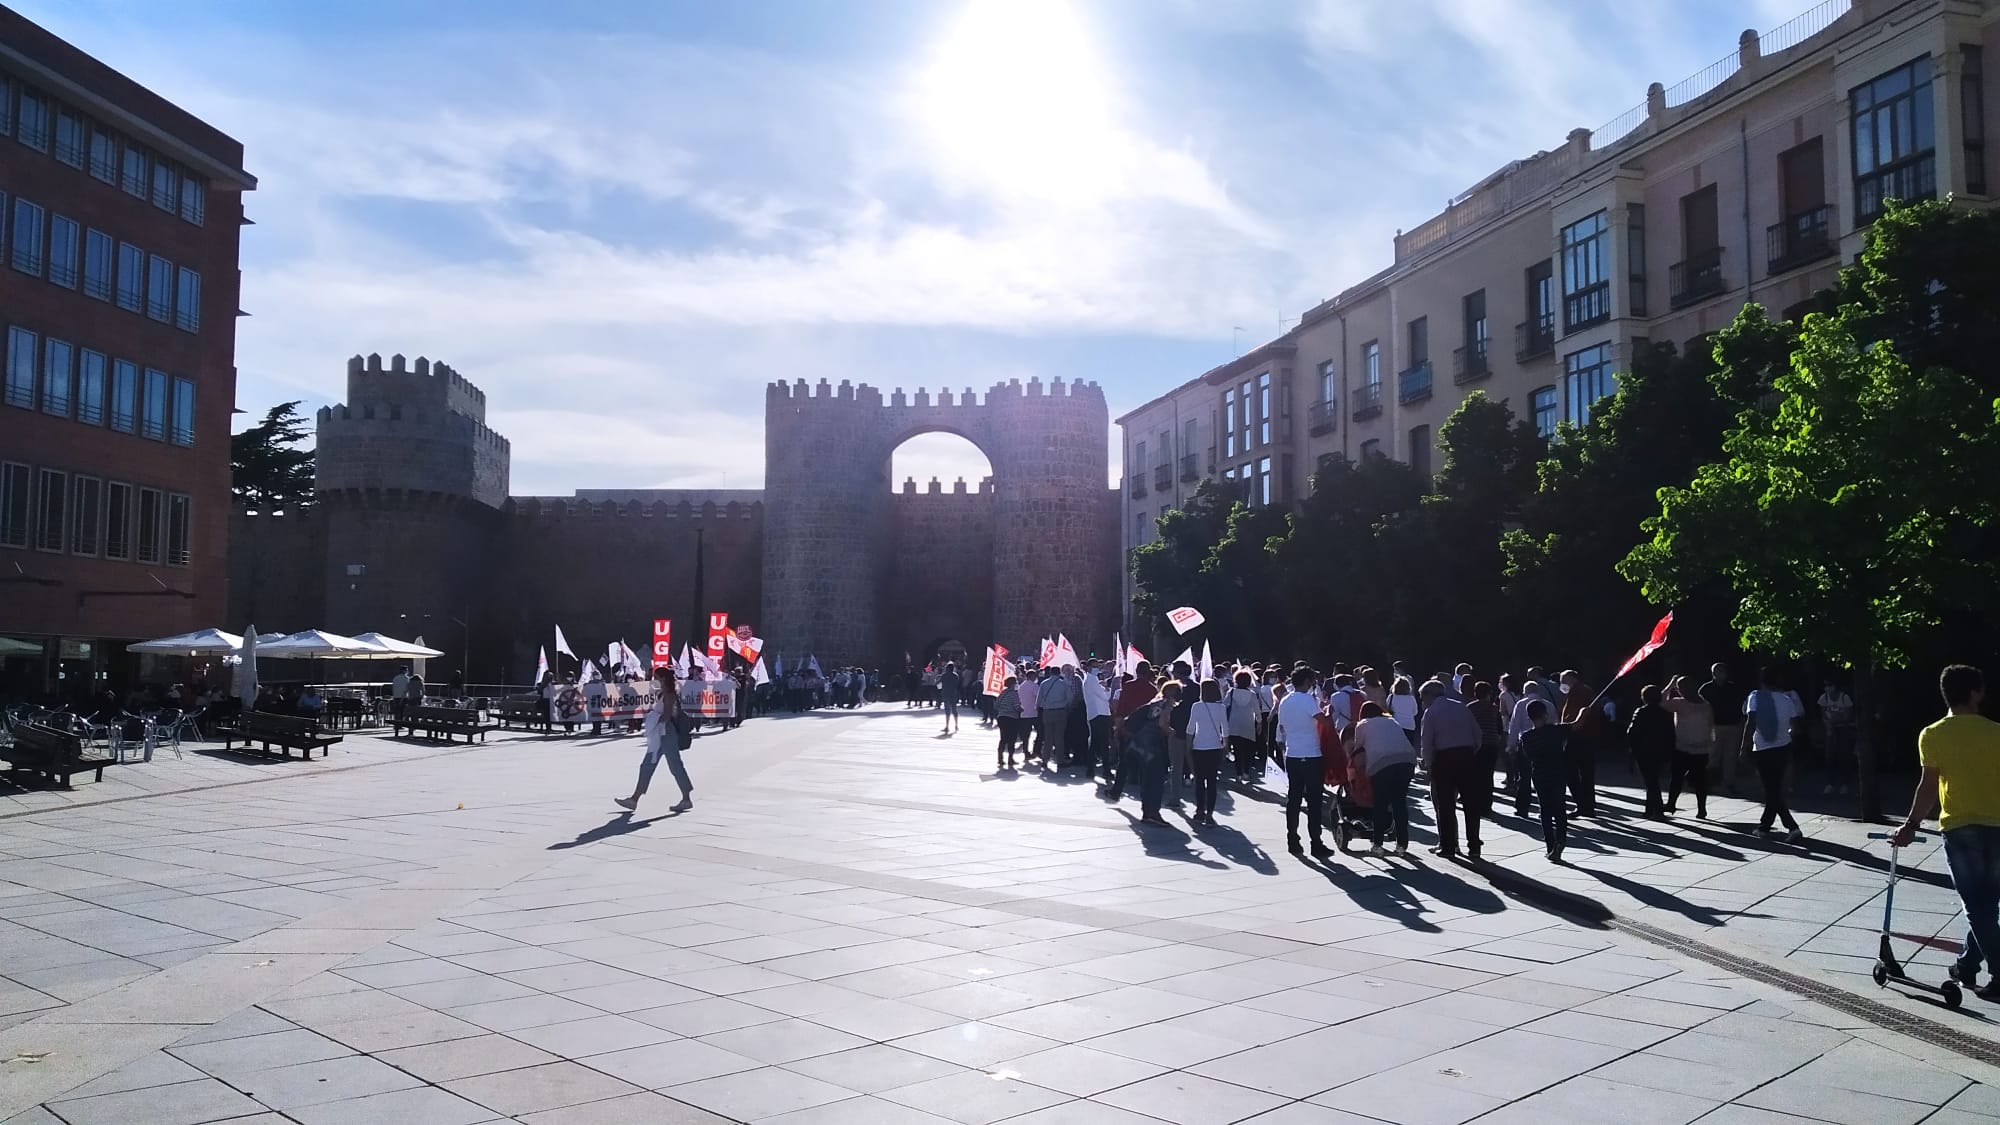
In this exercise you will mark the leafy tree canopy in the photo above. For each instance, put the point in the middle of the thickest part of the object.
(269, 471)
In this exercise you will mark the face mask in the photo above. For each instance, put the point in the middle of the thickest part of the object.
(1565, 689)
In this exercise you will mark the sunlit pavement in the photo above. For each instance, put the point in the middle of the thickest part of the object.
(861, 922)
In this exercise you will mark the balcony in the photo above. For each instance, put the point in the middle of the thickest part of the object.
(1189, 472)
(1367, 402)
(1163, 477)
(1697, 279)
(1805, 237)
(1414, 383)
(1322, 417)
(1138, 489)
(1534, 338)
(1468, 364)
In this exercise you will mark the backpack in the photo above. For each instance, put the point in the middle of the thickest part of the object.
(1142, 728)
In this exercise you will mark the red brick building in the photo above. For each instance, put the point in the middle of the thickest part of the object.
(119, 222)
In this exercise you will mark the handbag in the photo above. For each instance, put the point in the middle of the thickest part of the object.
(684, 727)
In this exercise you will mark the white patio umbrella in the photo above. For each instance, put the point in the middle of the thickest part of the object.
(201, 642)
(395, 649)
(246, 671)
(320, 644)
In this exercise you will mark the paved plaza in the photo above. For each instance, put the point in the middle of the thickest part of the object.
(860, 923)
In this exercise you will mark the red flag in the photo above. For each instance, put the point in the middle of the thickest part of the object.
(1651, 646)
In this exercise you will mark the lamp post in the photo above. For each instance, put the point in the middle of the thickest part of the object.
(465, 657)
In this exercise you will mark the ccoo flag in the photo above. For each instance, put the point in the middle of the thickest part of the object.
(1185, 618)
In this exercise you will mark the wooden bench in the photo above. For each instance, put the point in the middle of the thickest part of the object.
(53, 754)
(446, 723)
(284, 732)
(530, 712)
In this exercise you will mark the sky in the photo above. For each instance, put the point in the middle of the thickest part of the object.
(623, 218)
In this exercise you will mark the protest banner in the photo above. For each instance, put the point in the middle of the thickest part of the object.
(718, 634)
(600, 702)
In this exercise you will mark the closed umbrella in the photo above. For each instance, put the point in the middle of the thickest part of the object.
(246, 671)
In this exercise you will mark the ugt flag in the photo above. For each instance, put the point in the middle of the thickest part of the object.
(1651, 646)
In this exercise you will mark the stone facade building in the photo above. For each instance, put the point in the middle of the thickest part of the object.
(414, 532)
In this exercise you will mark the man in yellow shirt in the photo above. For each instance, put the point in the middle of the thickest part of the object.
(1961, 758)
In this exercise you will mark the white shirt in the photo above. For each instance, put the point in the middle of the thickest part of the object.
(1384, 743)
(1096, 698)
(1404, 707)
(1207, 725)
(1788, 707)
(1298, 718)
(1243, 706)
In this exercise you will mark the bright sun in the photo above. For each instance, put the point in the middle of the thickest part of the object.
(1015, 96)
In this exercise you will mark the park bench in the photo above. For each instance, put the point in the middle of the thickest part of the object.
(285, 732)
(530, 712)
(442, 722)
(54, 754)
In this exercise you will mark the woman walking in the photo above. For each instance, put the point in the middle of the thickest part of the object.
(1651, 736)
(1694, 738)
(1245, 709)
(664, 730)
(1403, 705)
(1391, 761)
(1007, 709)
(1208, 725)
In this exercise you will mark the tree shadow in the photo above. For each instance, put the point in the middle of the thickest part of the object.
(1378, 892)
(1164, 841)
(616, 826)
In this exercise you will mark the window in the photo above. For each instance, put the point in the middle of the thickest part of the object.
(57, 371)
(97, 250)
(183, 412)
(65, 242)
(1260, 485)
(1326, 381)
(1420, 450)
(91, 369)
(117, 520)
(194, 198)
(32, 127)
(1586, 277)
(1541, 280)
(1586, 378)
(133, 179)
(51, 510)
(1371, 364)
(104, 154)
(159, 288)
(153, 417)
(14, 505)
(1476, 332)
(131, 276)
(124, 395)
(69, 138)
(1138, 528)
(1543, 405)
(28, 236)
(6, 105)
(177, 529)
(1371, 448)
(149, 525)
(1166, 447)
(187, 301)
(1894, 156)
(1972, 115)
(1420, 341)
(1229, 408)
(1187, 439)
(21, 368)
(166, 186)
(86, 512)
(1138, 460)
(1264, 409)
(1635, 258)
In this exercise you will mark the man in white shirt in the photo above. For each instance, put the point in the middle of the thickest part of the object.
(1305, 768)
(399, 689)
(1769, 713)
(1096, 713)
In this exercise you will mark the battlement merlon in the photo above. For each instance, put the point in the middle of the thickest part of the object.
(423, 384)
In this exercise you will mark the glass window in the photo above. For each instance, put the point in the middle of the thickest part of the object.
(6, 105)
(21, 367)
(153, 416)
(166, 185)
(1972, 114)
(1326, 381)
(194, 198)
(1138, 459)
(133, 179)
(1229, 430)
(1261, 487)
(1586, 276)
(1166, 447)
(1544, 407)
(29, 236)
(14, 505)
(91, 371)
(1264, 409)
(1371, 364)
(183, 411)
(1138, 528)
(1894, 150)
(65, 243)
(149, 525)
(32, 126)
(86, 508)
(104, 154)
(57, 371)
(187, 301)
(131, 276)
(1586, 378)
(69, 138)
(177, 529)
(117, 520)
(51, 510)
(124, 395)
(97, 251)
(159, 288)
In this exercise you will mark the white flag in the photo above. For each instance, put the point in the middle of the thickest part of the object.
(1064, 654)
(1133, 658)
(589, 673)
(1207, 663)
(812, 665)
(541, 666)
(562, 644)
(1117, 656)
(1186, 657)
(681, 667)
(1185, 618)
(758, 675)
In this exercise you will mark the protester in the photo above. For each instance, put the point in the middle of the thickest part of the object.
(1305, 770)
(1585, 722)
(1960, 754)
(1183, 694)
(1694, 737)
(1449, 747)
(1651, 739)
(949, 686)
(1008, 710)
(1245, 710)
(1147, 727)
(1137, 691)
(1403, 706)
(1208, 729)
(1545, 753)
(666, 728)
(1030, 723)
(1725, 705)
(1836, 716)
(1390, 762)
(1058, 692)
(1485, 708)
(1097, 716)
(1771, 711)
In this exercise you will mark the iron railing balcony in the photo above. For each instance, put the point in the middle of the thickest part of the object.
(1188, 469)
(1533, 338)
(1697, 279)
(1322, 417)
(1414, 383)
(1367, 401)
(1163, 477)
(1805, 237)
(1468, 364)
(1138, 486)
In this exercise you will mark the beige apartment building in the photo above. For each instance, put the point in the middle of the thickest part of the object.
(1751, 181)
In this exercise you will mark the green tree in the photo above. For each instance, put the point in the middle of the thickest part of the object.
(1171, 571)
(269, 471)
(1327, 564)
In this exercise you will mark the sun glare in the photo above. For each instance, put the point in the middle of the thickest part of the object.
(1015, 96)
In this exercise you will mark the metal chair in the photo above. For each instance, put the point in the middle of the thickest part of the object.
(190, 721)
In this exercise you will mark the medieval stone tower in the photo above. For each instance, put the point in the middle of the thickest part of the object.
(411, 483)
(828, 510)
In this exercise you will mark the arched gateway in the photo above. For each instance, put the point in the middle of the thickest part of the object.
(829, 526)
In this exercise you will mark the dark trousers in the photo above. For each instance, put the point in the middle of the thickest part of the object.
(1249, 762)
(1100, 744)
(1524, 785)
(1009, 736)
(1077, 739)
(1455, 780)
(1650, 763)
(1693, 768)
(1771, 771)
(1207, 776)
(1973, 854)
(1549, 783)
(1151, 763)
(1392, 802)
(1305, 786)
(1582, 775)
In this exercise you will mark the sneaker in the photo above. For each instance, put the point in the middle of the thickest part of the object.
(683, 805)
(1294, 847)
(1795, 837)
(1375, 851)
(626, 803)
(1967, 977)
(1402, 850)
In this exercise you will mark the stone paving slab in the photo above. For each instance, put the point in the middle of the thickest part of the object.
(861, 923)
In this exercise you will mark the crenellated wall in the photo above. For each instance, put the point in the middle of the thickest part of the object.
(275, 570)
(420, 428)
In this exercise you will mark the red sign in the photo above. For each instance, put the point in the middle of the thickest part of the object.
(663, 641)
(718, 636)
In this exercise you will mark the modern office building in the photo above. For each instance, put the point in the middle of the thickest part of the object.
(1751, 181)
(119, 222)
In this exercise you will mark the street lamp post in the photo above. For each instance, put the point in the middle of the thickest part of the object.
(465, 657)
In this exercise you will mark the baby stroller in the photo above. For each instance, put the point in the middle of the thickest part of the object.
(1350, 811)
